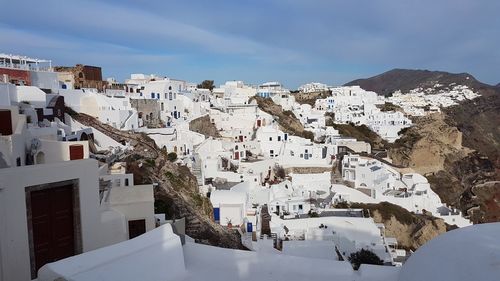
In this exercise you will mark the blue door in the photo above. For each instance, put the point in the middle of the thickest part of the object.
(216, 214)
(249, 227)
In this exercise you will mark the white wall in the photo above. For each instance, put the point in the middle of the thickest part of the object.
(134, 202)
(14, 246)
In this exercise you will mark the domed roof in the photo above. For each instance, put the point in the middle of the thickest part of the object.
(469, 253)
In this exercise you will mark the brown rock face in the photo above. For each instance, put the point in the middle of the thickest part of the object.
(286, 119)
(434, 148)
(411, 230)
(204, 126)
(425, 146)
(414, 235)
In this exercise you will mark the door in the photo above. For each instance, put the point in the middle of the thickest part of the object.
(241, 138)
(75, 152)
(52, 224)
(136, 228)
(6, 124)
(216, 214)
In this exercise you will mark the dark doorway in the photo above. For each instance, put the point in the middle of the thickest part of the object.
(136, 228)
(52, 223)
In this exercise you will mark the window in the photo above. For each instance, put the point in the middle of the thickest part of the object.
(279, 138)
(271, 152)
(301, 207)
(270, 138)
(136, 228)
(152, 95)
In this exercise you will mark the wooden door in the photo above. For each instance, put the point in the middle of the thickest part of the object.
(136, 228)
(75, 152)
(52, 224)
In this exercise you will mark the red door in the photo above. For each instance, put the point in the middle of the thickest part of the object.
(236, 155)
(52, 224)
(259, 122)
(241, 138)
(76, 151)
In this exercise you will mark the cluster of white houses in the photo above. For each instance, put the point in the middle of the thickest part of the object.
(419, 102)
(275, 187)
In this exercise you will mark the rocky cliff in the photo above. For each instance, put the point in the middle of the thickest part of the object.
(411, 230)
(286, 119)
(176, 193)
(204, 126)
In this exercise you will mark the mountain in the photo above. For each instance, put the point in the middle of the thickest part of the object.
(458, 151)
(407, 79)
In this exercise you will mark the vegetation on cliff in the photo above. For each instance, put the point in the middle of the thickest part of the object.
(286, 119)
(176, 191)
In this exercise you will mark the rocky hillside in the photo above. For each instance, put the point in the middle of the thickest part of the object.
(426, 145)
(286, 119)
(411, 230)
(405, 80)
(478, 120)
(310, 98)
(177, 191)
(459, 150)
(204, 126)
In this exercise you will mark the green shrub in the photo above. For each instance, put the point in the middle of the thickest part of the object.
(172, 156)
(364, 257)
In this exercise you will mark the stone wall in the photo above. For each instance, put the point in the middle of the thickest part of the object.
(149, 111)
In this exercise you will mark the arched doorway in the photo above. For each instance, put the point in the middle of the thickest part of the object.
(84, 137)
(40, 158)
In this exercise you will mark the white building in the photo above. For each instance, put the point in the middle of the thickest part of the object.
(115, 111)
(61, 208)
(270, 89)
(230, 207)
(313, 87)
(169, 93)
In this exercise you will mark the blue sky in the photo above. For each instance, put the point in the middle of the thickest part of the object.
(294, 41)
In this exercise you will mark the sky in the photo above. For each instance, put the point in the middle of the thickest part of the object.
(291, 41)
